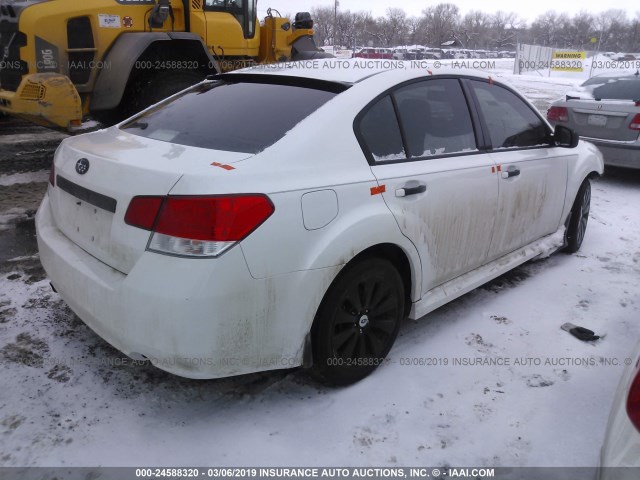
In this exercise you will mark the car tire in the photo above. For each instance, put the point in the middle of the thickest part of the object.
(577, 228)
(357, 322)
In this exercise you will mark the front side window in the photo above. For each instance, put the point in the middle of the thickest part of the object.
(511, 122)
(229, 116)
(435, 118)
(251, 18)
(380, 132)
(223, 4)
(244, 11)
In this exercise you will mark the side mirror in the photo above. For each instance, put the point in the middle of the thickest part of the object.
(565, 137)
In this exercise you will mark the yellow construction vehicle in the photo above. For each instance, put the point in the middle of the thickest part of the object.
(64, 60)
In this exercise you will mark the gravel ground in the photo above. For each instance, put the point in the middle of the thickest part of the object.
(26, 152)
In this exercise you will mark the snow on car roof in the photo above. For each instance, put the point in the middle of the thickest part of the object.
(351, 70)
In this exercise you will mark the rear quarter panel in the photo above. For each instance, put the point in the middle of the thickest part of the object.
(586, 161)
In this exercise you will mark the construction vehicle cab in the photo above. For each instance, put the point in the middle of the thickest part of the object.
(62, 60)
(244, 11)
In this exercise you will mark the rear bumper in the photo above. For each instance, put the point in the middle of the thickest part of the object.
(618, 154)
(195, 318)
(47, 99)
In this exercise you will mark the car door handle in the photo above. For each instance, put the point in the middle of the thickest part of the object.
(511, 173)
(406, 191)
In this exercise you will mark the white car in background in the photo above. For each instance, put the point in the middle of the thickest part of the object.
(278, 216)
(621, 446)
(400, 53)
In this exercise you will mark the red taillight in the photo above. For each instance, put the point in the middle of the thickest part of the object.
(198, 226)
(52, 174)
(635, 123)
(142, 212)
(558, 114)
(633, 402)
(638, 103)
(216, 219)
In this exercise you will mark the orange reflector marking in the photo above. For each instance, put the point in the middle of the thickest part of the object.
(490, 80)
(430, 72)
(378, 190)
(221, 165)
(493, 169)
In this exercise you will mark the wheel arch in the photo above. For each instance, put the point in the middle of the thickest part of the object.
(587, 165)
(398, 258)
(391, 252)
(131, 48)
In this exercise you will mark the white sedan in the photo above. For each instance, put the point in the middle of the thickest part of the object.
(284, 216)
(622, 441)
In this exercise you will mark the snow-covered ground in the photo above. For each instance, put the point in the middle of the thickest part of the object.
(68, 398)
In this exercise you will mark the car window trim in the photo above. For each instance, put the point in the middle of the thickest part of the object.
(219, 80)
(403, 133)
(389, 92)
(360, 138)
(428, 157)
(482, 139)
(485, 128)
(330, 86)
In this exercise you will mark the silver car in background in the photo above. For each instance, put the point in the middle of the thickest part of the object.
(605, 111)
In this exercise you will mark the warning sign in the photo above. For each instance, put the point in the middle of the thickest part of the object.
(568, 61)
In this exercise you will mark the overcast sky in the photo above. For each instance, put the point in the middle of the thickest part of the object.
(527, 9)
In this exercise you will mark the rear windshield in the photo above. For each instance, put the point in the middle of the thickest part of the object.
(614, 88)
(234, 117)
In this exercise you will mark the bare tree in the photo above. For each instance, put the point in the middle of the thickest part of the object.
(443, 19)
(415, 30)
(633, 33)
(613, 30)
(323, 26)
(396, 22)
(475, 28)
(609, 26)
(545, 28)
(504, 26)
(582, 29)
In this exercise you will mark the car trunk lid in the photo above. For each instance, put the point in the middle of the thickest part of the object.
(98, 174)
(608, 120)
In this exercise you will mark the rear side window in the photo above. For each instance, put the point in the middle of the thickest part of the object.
(381, 133)
(234, 117)
(511, 122)
(435, 118)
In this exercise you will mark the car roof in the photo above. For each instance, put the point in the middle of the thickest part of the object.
(611, 76)
(617, 74)
(351, 71)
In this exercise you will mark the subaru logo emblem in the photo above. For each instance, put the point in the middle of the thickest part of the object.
(82, 166)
